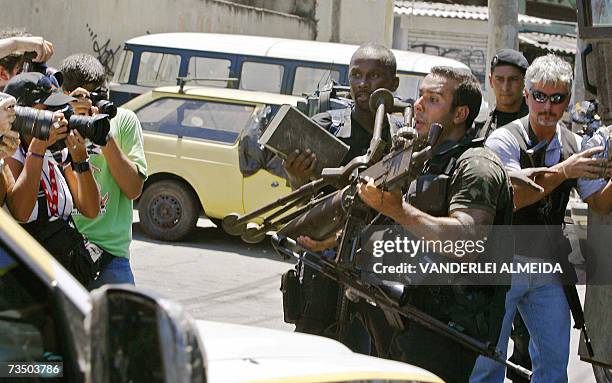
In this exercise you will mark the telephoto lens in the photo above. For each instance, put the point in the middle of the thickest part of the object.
(32, 122)
(95, 128)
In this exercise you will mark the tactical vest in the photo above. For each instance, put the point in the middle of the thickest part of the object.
(429, 192)
(549, 212)
(475, 310)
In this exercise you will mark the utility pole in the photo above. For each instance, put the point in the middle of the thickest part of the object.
(503, 33)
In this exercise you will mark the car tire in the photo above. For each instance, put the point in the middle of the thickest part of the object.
(168, 210)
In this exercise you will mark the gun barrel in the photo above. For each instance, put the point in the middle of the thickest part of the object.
(319, 222)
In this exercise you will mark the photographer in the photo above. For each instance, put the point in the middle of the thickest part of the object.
(119, 168)
(9, 141)
(43, 197)
(13, 44)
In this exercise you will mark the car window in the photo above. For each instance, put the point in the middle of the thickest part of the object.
(122, 72)
(157, 69)
(215, 121)
(262, 77)
(307, 79)
(206, 67)
(160, 116)
(27, 324)
(209, 120)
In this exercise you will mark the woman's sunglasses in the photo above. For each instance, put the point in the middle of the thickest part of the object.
(542, 97)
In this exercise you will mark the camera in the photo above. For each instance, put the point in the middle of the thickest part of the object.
(99, 99)
(38, 123)
(31, 66)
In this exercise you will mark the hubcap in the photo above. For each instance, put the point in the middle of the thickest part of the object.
(165, 211)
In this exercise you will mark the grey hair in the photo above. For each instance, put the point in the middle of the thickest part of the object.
(550, 70)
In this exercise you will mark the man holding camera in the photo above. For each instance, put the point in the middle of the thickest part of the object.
(465, 192)
(44, 196)
(13, 44)
(119, 168)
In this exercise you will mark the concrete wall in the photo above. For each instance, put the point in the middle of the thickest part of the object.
(100, 27)
(355, 21)
(459, 39)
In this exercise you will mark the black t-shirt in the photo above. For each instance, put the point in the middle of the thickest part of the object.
(504, 118)
(497, 119)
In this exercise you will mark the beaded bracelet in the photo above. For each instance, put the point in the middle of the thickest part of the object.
(36, 155)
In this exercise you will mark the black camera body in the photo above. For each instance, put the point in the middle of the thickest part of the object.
(42, 68)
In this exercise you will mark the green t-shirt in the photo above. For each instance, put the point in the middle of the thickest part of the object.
(111, 230)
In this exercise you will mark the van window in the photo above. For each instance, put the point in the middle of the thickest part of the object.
(306, 79)
(206, 67)
(122, 73)
(216, 121)
(408, 86)
(261, 77)
(157, 69)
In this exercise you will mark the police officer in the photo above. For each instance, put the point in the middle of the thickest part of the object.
(472, 189)
(372, 67)
(507, 79)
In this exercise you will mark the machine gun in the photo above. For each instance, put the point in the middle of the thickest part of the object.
(388, 297)
(310, 201)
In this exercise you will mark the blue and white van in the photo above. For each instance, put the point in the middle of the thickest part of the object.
(267, 64)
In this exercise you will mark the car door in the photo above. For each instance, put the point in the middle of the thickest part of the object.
(194, 139)
(42, 328)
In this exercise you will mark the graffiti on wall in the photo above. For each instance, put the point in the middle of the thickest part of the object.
(103, 52)
(472, 57)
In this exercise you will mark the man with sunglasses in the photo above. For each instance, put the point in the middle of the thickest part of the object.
(536, 140)
(119, 167)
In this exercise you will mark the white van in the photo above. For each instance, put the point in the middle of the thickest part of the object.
(267, 64)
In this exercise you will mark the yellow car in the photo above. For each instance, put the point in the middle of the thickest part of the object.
(191, 141)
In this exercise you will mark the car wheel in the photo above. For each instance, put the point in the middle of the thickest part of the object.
(168, 210)
(602, 374)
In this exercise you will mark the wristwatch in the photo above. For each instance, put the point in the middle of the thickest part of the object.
(81, 167)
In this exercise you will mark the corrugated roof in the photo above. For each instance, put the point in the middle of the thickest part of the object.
(456, 11)
(550, 42)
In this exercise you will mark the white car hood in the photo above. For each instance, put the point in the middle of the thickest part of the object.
(236, 353)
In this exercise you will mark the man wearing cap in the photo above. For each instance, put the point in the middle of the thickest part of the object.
(507, 79)
(543, 299)
(42, 192)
